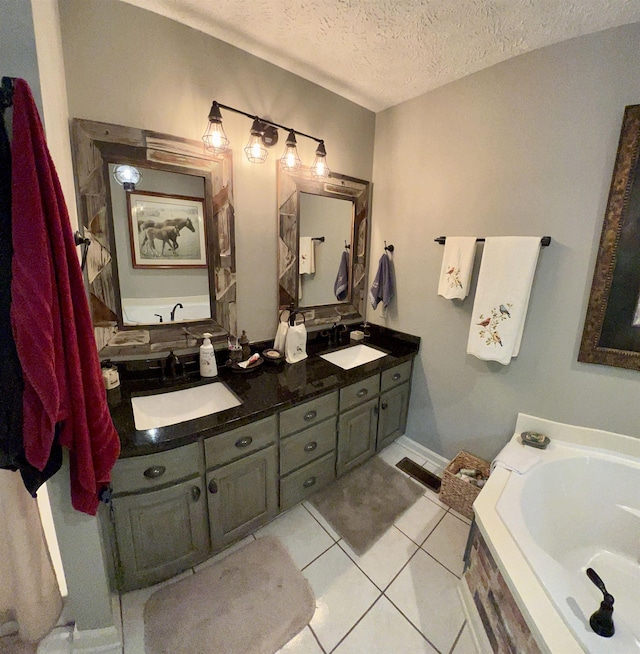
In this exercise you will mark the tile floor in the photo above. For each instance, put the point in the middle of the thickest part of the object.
(398, 598)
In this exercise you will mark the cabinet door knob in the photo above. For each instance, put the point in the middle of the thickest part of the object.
(309, 482)
(213, 487)
(396, 376)
(384, 405)
(154, 472)
(309, 447)
(362, 392)
(195, 493)
(244, 442)
(310, 415)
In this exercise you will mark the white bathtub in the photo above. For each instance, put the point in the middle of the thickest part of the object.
(145, 311)
(578, 507)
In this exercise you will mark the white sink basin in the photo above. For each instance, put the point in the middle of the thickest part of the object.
(164, 409)
(354, 356)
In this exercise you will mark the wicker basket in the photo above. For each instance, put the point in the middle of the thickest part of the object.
(457, 493)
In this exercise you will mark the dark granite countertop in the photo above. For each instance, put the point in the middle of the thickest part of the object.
(263, 391)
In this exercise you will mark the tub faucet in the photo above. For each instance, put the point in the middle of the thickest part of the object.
(601, 620)
(173, 311)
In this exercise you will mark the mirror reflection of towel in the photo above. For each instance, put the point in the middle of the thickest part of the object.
(341, 285)
(307, 256)
(383, 288)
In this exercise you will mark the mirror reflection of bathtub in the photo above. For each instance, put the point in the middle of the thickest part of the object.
(173, 166)
(146, 311)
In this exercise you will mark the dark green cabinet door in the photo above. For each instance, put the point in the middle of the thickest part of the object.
(160, 533)
(392, 419)
(357, 435)
(242, 496)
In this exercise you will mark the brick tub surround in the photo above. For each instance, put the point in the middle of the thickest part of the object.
(503, 622)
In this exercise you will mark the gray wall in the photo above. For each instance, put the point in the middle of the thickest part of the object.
(18, 52)
(128, 66)
(524, 148)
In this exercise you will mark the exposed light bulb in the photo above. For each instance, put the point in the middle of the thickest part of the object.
(255, 150)
(290, 160)
(127, 176)
(214, 138)
(319, 168)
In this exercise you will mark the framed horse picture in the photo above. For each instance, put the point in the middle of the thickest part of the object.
(167, 231)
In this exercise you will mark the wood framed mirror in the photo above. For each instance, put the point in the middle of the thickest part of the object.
(328, 219)
(181, 177)
(611, 334)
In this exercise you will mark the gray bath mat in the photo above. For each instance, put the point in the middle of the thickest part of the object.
(253, 601)
(364, 503)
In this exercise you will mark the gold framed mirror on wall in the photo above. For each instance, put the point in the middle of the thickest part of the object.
(144, 271)
(323, 232)
(611, 335)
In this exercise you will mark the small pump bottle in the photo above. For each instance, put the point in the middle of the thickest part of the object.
(208, 367)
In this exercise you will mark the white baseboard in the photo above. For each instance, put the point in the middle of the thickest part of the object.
(480, 640)
(68, 640)
(436, 459)
(96, 641)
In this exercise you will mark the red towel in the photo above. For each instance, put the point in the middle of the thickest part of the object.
(50, 319)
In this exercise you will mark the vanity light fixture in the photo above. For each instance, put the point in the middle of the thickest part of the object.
(264, 134)
(255, 150)
(215, 140)
(290, 161)
(127, 176)
(319, 168)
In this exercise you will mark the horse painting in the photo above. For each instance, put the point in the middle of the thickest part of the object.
(167, 231)
(168, 235)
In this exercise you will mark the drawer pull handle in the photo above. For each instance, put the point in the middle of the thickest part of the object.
(244, 442)
(213, 487)
(309, 447)
(396, 376)
(310, 416)
(362, 392)
(309, 482)
(384, 405)
(195, 493)
(154, 472)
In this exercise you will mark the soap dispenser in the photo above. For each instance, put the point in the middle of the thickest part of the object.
(208, 367)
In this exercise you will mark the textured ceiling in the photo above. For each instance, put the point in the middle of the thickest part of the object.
(379, 53)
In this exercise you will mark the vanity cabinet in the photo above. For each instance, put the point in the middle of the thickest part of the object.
(158, 516)
(395, 387)
(358, 423)
(241, 480)
(307, 448)
(172, 509)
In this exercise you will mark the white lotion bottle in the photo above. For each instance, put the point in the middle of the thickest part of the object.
(208, 367)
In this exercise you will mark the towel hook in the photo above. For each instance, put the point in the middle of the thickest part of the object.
(347, 246)
(389, 248)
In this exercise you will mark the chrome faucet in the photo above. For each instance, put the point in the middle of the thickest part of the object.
(173, 311)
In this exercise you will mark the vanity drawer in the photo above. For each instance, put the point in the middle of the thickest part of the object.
(237, 443)
(302, 483)
(151, 470)
(395, 376)
(309, 413)
(359, 392)
(297, 450)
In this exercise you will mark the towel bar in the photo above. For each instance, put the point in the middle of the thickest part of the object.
(544, 241)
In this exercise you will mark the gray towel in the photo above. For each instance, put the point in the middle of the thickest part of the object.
(341, 285)
(382, 288)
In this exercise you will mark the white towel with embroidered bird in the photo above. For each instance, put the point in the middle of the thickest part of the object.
(502, 297)
(457, 266)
